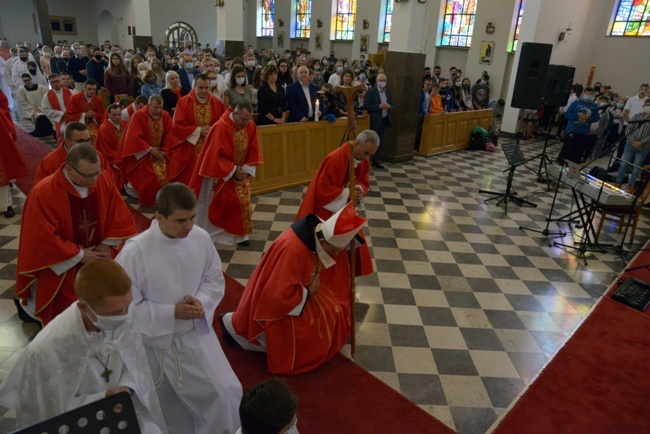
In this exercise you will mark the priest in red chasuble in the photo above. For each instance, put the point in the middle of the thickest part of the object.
(54, 103)
(71, 217)
(12, 165)
(87, 108)
(142, 154)
(329, 189)
(224, 174)
(195, 113)
(292, 308)
(75, 132)
(109, 137)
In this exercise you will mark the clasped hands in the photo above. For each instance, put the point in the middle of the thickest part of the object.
(189, 308)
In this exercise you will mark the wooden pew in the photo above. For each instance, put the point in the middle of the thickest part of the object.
(451, 131)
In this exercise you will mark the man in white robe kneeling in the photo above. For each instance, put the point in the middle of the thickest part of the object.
(177, 285)
(88, 352)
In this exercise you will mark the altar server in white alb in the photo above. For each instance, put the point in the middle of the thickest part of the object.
(90, 351)
(177, 285)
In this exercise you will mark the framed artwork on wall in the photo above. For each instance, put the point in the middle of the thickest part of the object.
(364, 43)
(487, 50)
(319, 40)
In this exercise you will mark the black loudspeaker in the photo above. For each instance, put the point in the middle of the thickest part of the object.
(558, 85)
(531, 75)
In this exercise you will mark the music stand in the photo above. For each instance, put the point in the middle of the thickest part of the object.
(115, 413)
(515, 158)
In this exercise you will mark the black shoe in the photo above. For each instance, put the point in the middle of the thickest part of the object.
(10, 212)
(377, 165)
(244, 243)
(24, 316)
(646, 205)
(225, 334)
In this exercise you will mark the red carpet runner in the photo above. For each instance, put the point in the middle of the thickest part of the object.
(599, 382)
(339, 397)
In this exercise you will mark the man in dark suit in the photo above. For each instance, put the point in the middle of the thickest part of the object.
(187, 73)
(379, 104)
(301, 97)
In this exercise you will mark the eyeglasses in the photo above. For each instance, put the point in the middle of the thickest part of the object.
(91, 176)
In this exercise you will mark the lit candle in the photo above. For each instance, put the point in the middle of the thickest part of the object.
(317, 111)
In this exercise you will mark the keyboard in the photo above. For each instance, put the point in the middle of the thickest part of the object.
(591, 187)
(634, 293)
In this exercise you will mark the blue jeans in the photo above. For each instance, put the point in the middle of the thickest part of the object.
(634, 156)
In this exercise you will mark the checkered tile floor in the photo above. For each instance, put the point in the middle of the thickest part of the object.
(465, 308)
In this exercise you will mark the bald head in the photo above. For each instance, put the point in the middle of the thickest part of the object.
(303, 74)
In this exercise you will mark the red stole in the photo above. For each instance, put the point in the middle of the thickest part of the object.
(54, 100)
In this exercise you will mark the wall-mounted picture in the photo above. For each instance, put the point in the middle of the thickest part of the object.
(487, 49)
(281, 39)
(364, 43)
(319, 40)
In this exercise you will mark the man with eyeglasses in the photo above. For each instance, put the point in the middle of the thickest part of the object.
(223, 177)
(75, 132)
(54, 103)
(71, 217)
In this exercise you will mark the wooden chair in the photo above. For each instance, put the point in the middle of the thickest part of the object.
(621, 214)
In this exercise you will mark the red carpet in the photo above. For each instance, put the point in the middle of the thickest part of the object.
(599, 381)
(339, 397)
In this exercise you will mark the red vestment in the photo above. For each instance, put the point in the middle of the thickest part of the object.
(228, 146)
(79, 105)
(108, 140)
(294, 344)
(55, 159)
(189, 115)
(327, 184)
(54, 103)
(51, 234)
(145, 175)
(12, 165)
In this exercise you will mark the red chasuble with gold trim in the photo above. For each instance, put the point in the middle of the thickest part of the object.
(228, 146)
(53, 229)
(78, 105)
(189, 115)
(146, 175)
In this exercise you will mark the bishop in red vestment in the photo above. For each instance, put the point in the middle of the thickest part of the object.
(71, 217)
(75, 132)
(223, 176)
(141, 156)
(328, 191)
(109, 137)
(12, 165)
(87, 108)
(195, 113)
(292, 308)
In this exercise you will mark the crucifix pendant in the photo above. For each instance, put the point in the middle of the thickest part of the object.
(106, 375)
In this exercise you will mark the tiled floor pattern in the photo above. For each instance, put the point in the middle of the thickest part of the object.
(465, 308)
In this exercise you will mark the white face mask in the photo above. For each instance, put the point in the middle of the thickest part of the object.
(241, 80)
(646, 110)
(250, 63)
(107, 323)
(213, 83)
(381, 84)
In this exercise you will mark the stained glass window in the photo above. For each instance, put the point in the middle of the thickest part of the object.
(346, 16)
(267, 11)
(458, 23)
(303, 19)
(632, 18)
(522, 4)
(388, 20)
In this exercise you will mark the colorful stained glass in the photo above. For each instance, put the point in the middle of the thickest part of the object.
(388, 20)
(522, 4)
(632, 18)
(266, 18)
(303, 19)
(346, 16)
(458, 24)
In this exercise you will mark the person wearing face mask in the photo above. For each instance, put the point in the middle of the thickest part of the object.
(447, 96)
(150, 86)
(198, 390)
(187, 71)
(249, 66)
(45, 61)
(636, 147)
(580, 114)
(93, 349)
(19, 67)
(481, 93)
(217, 83)
(237, 90)
(284, 73)
(194, 116)
(335, 79)
(57, 233)
(379, 104)
(616, 133)
(35, 73)
(142, 154)
(317, 75)
(96, 67)
(77, 66)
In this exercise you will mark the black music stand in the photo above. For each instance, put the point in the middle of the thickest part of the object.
(113, 414)
(515, 158)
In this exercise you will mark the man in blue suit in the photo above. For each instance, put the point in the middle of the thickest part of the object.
(379, 104)
(187, 73)
(301, 97)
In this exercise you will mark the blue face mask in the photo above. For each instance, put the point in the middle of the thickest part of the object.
(362, 76)
(588, 98)
(339, 69)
